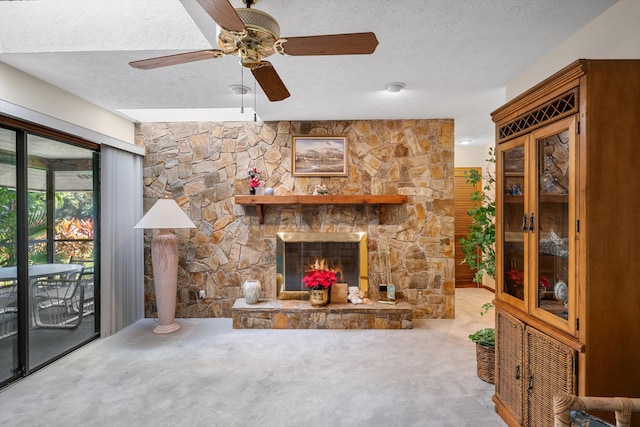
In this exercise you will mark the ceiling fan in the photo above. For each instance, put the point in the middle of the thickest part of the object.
(253, 35)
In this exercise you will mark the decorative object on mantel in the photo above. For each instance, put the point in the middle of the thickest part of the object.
(164, 215)
(319, 156)
(268, 191)
(251, 290)
(254, 179)
(320, 190)
(318, 279)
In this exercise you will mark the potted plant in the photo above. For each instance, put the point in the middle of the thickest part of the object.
(479, 253)
(318, 279)
(479, 245)
(485, 340)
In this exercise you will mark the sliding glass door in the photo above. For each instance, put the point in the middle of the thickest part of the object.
(48, 250)
(9, 362)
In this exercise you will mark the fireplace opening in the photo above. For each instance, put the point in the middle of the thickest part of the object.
(345, 253)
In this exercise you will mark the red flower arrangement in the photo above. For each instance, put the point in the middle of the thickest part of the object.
(319, 276)
(517, 278)
(254, 177)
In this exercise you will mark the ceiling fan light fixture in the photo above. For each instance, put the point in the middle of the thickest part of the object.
(239, 89)
(394, 87)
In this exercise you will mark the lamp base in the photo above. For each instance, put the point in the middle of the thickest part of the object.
(164, 254)
(166, 329)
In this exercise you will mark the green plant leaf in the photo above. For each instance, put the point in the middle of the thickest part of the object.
(486, 337)
(479, 245)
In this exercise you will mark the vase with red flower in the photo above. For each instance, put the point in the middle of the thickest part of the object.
(318, 279)
(254, 179)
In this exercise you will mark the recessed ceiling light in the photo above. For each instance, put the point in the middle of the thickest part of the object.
(239, 89)
(394, 86)
(464, 142)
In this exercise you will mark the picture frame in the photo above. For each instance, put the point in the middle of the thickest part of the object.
(319, 156)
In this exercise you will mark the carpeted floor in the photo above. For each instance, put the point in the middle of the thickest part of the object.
(209, 374)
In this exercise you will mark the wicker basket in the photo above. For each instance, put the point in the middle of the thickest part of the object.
(486, 363)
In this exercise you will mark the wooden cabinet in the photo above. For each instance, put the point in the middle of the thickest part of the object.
(530, 368)
(567, 269)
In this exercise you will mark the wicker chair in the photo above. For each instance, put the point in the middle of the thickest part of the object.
(623, 407)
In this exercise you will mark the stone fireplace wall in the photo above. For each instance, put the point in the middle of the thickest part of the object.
(203, 165)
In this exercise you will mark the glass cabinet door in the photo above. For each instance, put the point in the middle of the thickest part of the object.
(511, 200)
(553, 276)
(536, 202)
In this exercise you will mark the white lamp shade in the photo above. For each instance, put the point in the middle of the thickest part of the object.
(165, 214)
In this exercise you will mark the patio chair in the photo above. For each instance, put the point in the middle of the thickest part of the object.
(569, 410)
(58, 303)
(8, 308)
(87, 283)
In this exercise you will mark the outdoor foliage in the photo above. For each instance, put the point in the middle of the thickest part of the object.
(479, 245)
(69, 207)
(36, 226)
(72, 232)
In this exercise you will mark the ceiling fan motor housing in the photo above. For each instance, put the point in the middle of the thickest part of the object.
(254, 44)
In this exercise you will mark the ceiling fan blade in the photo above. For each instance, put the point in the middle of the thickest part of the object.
(179, 58)
(333, 44)
(270, 82)
(224, 14)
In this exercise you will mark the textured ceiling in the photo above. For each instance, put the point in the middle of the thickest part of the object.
(455, 56)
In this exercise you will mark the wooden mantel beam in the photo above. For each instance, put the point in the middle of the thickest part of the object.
(260, 201)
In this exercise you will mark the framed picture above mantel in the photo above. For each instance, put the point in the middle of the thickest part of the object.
(319, 156)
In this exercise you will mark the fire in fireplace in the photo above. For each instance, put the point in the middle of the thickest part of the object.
(345, 253)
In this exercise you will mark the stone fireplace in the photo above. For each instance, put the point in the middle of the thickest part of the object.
(296, 252)
(345, 253)
(203, 166)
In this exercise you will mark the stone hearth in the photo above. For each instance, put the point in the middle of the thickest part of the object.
(297, 314)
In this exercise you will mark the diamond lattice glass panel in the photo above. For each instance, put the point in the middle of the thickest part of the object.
(561, 106)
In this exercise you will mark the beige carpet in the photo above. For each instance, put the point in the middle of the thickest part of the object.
(209, 374)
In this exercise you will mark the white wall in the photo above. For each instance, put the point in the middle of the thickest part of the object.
(615, 34)
(467, 156)
(21, 92)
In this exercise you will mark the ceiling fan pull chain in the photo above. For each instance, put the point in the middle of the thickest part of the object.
(242, 93)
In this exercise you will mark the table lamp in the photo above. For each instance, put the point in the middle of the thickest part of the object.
(165, 215)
